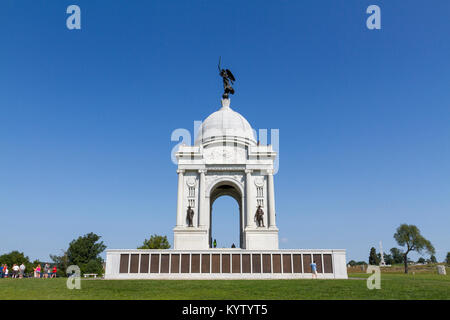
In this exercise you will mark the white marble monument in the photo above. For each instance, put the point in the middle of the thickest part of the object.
(225, 160)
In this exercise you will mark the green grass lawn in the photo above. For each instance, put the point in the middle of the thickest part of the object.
(393, 286)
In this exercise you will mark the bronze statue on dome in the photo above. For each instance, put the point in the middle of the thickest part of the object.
(227, 77)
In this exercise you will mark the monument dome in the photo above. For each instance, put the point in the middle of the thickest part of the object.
(225, 123)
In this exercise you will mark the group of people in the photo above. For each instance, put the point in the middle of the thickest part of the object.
(16, 272)
(19, 271)
(46, 272)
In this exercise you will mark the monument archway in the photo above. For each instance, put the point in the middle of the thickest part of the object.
(226, 160)
(231, 189)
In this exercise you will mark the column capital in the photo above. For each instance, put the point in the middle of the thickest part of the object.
(270, 172)
(202, 170)
(181, 171)
(248, 171)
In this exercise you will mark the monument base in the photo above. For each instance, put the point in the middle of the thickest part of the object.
(190, 238)
(225, 264)
(261, 238)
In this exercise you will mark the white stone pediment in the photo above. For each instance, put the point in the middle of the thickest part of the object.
(224, 155)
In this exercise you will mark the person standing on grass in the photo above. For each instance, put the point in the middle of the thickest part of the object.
(49, 272)
(15, 269)
(37, 271)
(5, 270)
(54, 271)
(21, 270)
(314, 269)
(46, 268)
(1, 271)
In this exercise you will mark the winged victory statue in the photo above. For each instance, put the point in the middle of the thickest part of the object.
(228, 80)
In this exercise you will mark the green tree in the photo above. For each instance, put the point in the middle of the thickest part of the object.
(409, 236)
(62, 262)
(421, 260)
(16, 257)
(373, 259)
(447, 259)
(397, 255)
(433, 259)
(155, 242)
(85, 253)
(352, 263)
(93, 267)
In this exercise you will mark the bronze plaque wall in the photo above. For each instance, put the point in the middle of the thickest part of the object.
(287, 268)
(225, 263)
(145, 258)
(266, 263)
(216, 263)
(154, 263)
(164, 263)
(205, 263)
(134, 263)
(236, 263)
(124, 263)
(246, 263)
(318, 261)
(276, 263)
(327, 263)
(256, 263)
(184, 263)
(195, 263)
(175, 263)
(297, 259)
(307, 263)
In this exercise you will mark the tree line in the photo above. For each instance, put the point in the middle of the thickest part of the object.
(409, 237)
(84, 252)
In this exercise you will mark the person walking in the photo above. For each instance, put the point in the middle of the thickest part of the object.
(314, 270)
(22, 270)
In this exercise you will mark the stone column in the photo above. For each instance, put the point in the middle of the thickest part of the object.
(248, 198)
(180, 198)
(203, 219)
(271, 196)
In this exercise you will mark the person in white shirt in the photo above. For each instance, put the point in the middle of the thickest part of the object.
(15, 270)
(22, 270)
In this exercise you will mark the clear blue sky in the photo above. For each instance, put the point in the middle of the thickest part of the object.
(86, 117)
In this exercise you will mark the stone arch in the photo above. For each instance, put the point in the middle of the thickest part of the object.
(227, 186)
